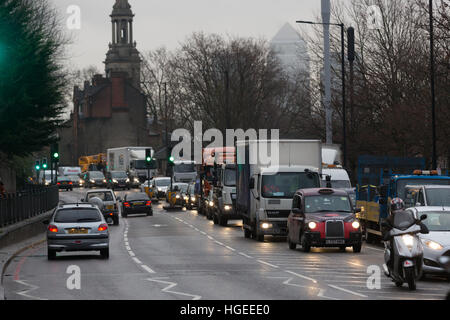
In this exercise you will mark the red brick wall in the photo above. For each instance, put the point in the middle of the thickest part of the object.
(118, 92)
(101, 104)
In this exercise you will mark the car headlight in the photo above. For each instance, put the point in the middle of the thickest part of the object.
(355, 225)
(159, 189)
(192, 198)
(312, 225)
(81, 181)
(211, 203)
(114, 180)
(408, 240)
(93, 181)
(136, 180)
(177, 196)
(432, 244)
(227, 207)
(104, 180)
(128, 180)
(186, 198)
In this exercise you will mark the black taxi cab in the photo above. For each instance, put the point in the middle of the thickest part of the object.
(323, 217)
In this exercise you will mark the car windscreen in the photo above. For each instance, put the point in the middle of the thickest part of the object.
(230, 177)
(137, 196)
(96, 175)
(184, 167)
(119, 174)
(438, 197)
(402, 183)
(74, 178)
(285, 184)
(327, 203)
(104, 196)
(437, 221)
(162, 182)
(77, 215)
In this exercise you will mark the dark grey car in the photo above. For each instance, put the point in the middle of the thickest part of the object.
(77, 227)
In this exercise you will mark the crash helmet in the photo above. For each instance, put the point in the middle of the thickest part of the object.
(397, 204)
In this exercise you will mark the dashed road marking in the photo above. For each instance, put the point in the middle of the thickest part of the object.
(348, 291)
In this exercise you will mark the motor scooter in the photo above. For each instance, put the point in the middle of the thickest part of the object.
(445, 263)
(403, 253)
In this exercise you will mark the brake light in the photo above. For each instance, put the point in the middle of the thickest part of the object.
(70, 182)
(103, 227)
(149, 203)
(126, 204)
(52, 228)
(59, 183)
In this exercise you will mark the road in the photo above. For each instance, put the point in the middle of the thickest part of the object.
(182, 255)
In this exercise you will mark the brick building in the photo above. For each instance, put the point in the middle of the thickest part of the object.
(110, 111)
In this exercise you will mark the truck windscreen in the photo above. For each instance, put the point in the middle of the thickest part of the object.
(438, 197)
(184, 167)
(402, 183)
(140, 164)
(230, 178)
(285, 184)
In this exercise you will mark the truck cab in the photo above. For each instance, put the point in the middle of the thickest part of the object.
(273, 189)
(184, 171)
(225, 194)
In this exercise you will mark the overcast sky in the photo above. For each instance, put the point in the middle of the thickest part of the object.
(168, 22)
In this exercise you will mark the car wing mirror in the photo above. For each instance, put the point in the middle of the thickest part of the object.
(423, 217)
(297, 211)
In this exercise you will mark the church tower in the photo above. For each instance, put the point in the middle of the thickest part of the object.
(122, 55)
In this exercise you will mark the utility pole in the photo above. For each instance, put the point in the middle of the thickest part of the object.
(433, 98)
(325, 7)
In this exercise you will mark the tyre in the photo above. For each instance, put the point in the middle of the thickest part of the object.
(398, 284)
(116, 220)
(223, 221)
(124, 215)
(149, 214)
(291, 244)
(104, 253)
(306, 247)
(342, 248)
(260, 237)
(369, 237)
(357, 248)
(410, 278)
(51, 254)
(216, 221)
(247, 233)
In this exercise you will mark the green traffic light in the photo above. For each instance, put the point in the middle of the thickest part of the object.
(171, 159)
(149, 159)
(44, 166)
(38, 168)
(56, 155)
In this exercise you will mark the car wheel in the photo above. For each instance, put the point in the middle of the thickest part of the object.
(116, 220)
(150, 213)
(247, 233)
(306, 247)
(51, 254)
(216, 221)
(104, 253)
(223, 221)
(124, 215)
(357, 248)
(291, 244)
(342, 248)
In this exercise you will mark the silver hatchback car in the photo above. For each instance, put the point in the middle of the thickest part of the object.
(77, 227)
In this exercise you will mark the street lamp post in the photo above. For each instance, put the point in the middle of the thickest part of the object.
(344, 120)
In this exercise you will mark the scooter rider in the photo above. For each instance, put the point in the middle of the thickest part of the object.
(397, 212)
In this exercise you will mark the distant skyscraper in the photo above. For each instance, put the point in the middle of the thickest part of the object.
(291, 49)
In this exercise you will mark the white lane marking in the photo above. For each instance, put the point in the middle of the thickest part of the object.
(147, 268)
(372, 248)
(230, 248)
(131, 253)
(245, 255)
(219, 243)
(269, 264)
(348, 291)
(321, 294)
(202, 232)
(211, 238)
(128, 248)
(171, 285)
(24, 293)
(127, 244)
(301, 276)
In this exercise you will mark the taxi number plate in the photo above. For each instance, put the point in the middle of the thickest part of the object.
(110, 207)
(138, 203)
(78, 231)
(335, 242)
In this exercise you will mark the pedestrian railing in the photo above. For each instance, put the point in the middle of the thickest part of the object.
(31, 202)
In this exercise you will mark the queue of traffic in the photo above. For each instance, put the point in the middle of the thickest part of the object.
(300, 197)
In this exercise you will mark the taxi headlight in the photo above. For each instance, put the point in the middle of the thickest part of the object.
(227, 207)
(211, 203)
(432, 244)
(186, 198)
(192, 198)
(355, 225)
(312, 225)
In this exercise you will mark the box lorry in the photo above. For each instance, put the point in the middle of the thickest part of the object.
(132, 161)
(264, 190)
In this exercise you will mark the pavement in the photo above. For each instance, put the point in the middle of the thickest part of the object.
(180, 255)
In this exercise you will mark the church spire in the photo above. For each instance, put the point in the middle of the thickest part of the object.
(123, 55)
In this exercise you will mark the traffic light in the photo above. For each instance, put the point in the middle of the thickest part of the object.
(37, 165)
(171, 160)
(148, 156)
(44, 163)
(55, 152)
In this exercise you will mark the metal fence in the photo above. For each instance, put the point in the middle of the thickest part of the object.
(33, 201)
